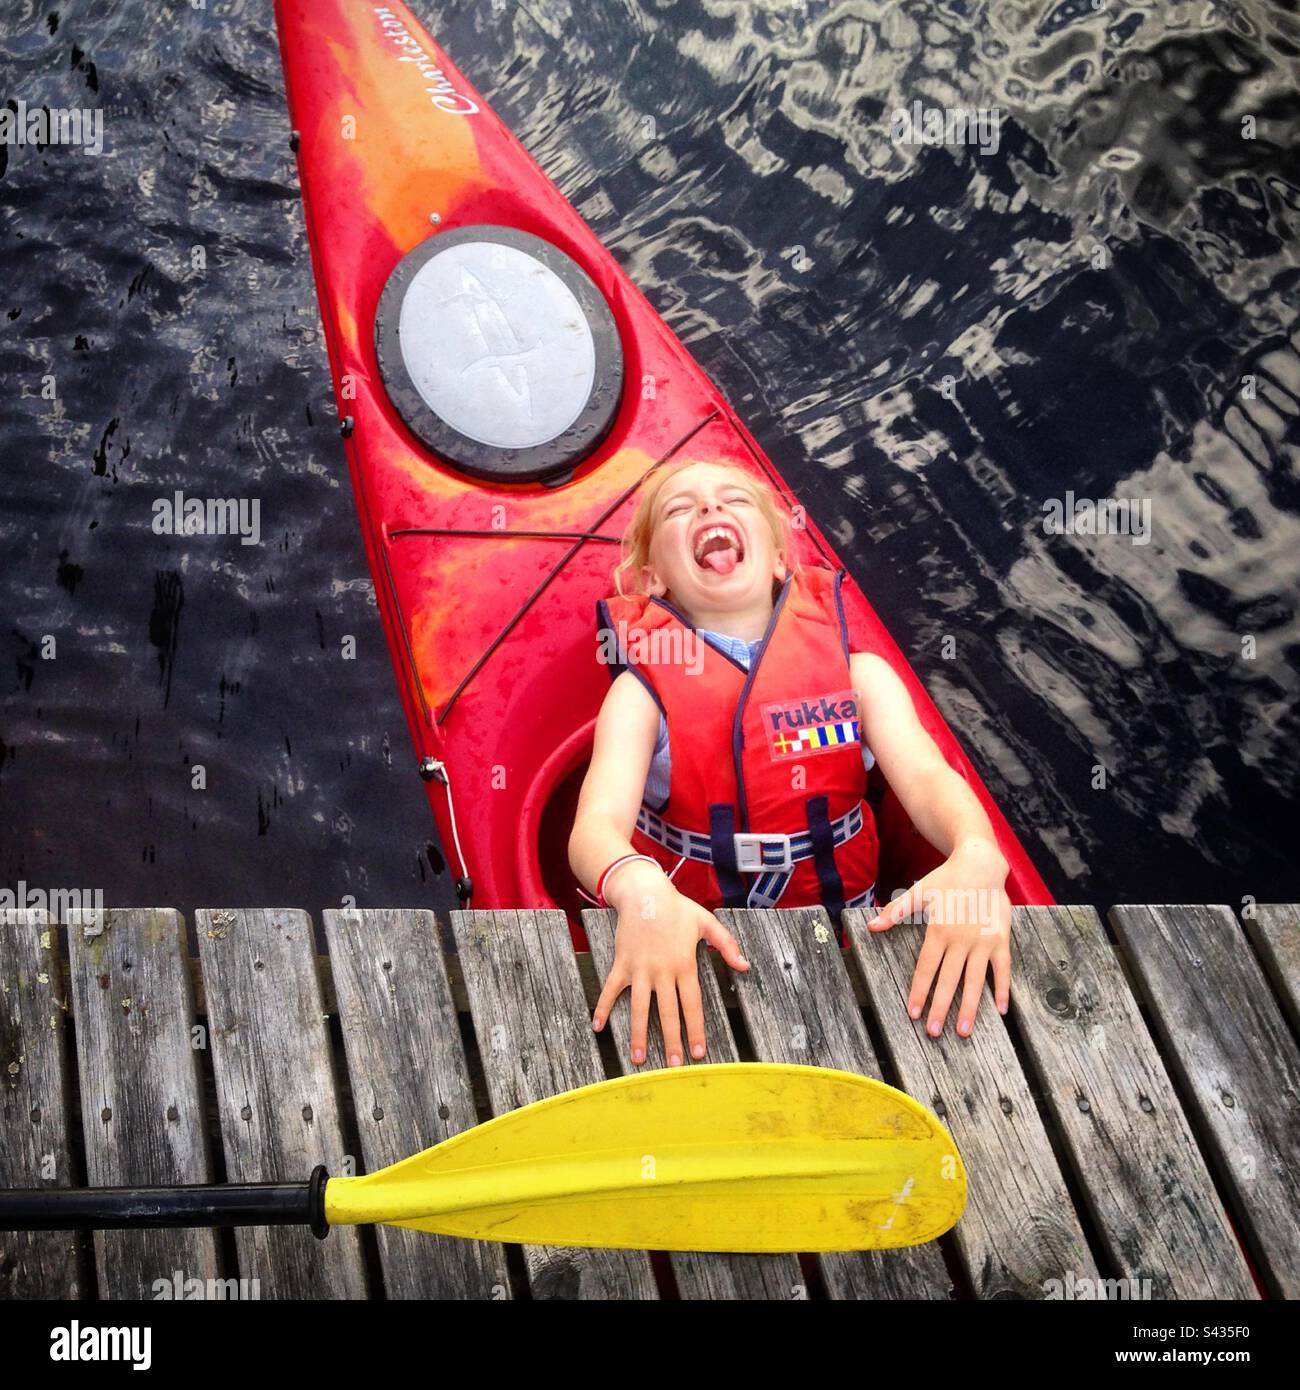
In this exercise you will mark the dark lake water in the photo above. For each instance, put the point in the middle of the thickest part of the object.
(931, 343)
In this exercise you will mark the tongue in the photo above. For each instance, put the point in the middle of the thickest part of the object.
(722, 560)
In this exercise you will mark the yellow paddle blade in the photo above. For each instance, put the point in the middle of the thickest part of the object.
(745, 1156)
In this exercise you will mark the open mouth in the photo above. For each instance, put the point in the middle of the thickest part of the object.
(719, 548)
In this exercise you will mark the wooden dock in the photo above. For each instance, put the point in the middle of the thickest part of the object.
(1135, 1118)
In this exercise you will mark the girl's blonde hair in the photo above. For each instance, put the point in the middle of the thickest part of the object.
(640, 531)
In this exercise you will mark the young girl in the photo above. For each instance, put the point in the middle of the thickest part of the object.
(730, 764)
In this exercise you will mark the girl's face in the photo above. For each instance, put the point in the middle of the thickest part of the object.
(711, 546)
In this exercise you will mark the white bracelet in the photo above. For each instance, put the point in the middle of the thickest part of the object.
(614, 868)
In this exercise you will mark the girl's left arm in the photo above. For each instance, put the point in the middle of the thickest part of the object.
(964, 899)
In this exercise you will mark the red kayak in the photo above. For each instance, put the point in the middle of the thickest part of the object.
(504, 390)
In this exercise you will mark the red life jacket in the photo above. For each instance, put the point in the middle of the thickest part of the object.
(773, 752)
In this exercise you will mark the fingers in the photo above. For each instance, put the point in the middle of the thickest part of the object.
(640, 1017)
(615, 984)
(670, 1023)
(665, 993)
(949, 978)
(977, 968)
(902, 906)
(688, 991)
(719, 937)
(927, 963)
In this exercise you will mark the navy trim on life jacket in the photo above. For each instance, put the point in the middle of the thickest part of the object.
(690, 627)
(737, 731)
(605, 622)
(840, 576)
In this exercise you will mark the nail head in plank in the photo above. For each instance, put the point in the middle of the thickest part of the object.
(535, 1040)
(1228, 1046)
(36, 1112)
(1132, 1149)
(142, 1112)
(798, 1004)
(1019, 1236)
(276, 1089)
(410, 1084)
(699, 1274)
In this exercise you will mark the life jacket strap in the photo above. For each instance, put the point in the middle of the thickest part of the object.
(772, 857)
(722, 849)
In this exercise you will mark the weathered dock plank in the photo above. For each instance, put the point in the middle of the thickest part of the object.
(699, 1275)
(142, 1112)
(534, 1036)
(1228, 1046)
(1019, 1237)
(1274, 931)
(36, 1112)
(410, 1084)
(1131, 1148)
(276, 1089)
(798, 1005)
(1115, 1098)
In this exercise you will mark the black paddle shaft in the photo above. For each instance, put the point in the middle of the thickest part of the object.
(137, 1208)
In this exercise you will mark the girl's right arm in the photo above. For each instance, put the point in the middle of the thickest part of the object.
(658, 928)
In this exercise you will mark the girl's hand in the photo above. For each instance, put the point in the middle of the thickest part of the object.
(654, 953)
(969, 925)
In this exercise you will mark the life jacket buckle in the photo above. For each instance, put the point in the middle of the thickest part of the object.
(750, 858)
